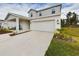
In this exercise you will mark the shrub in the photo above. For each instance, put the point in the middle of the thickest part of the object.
(4, 30)
(59, 36)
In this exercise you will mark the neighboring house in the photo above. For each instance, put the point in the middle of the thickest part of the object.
(47, 19)
(16, 22)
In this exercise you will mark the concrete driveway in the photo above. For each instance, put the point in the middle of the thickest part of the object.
(34, 43)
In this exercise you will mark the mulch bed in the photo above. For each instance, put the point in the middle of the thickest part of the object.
(59, 36)
(4, 32)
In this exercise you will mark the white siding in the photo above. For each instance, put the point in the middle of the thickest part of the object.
(46, 12)
(11, 24)
(11, 17)
(25, 25)
(34, 14)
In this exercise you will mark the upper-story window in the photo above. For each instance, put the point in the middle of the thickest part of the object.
(31, 15)
(53, 11)
(40, 14)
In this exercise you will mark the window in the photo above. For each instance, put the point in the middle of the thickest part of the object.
(53, 11)
(57, 21)
(31, 15)
(40, 14)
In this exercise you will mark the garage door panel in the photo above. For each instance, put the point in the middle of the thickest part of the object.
(43, 26)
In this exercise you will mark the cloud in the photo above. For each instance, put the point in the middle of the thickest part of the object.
(18, 8)
(22, 8)
(73, 7)
(47, 5)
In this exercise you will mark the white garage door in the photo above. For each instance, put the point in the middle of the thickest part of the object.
(43, 26)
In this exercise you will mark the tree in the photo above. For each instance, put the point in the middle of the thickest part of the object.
(68, 18)
(74, 19)
(71, 18)
(63, 23)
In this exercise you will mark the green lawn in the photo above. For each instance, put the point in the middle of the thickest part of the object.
(63, 48)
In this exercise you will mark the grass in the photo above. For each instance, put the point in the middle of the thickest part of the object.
(63, 48)
(71, 31)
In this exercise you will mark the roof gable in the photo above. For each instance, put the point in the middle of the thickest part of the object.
(44, 8)
(6, 12)
(15, 15)
(32, 10)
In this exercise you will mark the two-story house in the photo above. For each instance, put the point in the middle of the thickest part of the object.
(47, 19)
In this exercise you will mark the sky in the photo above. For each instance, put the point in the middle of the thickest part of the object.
(22, 8)
(66, 7)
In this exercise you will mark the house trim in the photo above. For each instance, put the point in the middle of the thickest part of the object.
(42, 20)
(44, 8)
(44, 17)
